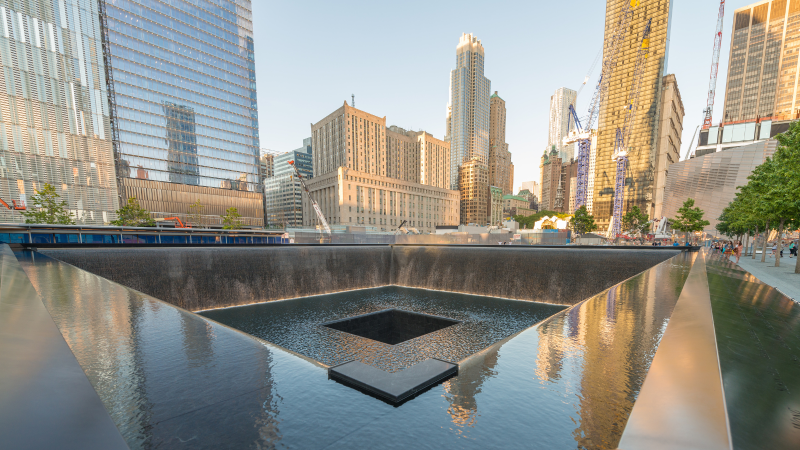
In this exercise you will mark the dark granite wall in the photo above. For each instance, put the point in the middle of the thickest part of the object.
(563, 275)
(204, 278)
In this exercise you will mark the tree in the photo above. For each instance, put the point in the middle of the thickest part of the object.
(230, 221)
(48, 208)
(582, 222)
(784, 185)
(196, 213)
(133, 215)
(689, 219)
(529, 221)
(635, 222)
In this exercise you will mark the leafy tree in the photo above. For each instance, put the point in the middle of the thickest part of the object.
(133, 215)
(582, 222)
(784, 183)
(48, 208)
(230, 221)
(689, 219)
(196, 213)
(635, 222)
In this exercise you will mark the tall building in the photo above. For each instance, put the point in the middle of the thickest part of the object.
(668, 146)
(559, 122)
(473, 186)
(552, 188)
(54, 113)
(495, 205)
(468, 118)
(642, 141)
(501, 173)
(283, 193)
(533, 187)
(184, 100)
(368, 175)
(761, 93)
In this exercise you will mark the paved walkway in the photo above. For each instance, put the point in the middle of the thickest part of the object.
(781, 278)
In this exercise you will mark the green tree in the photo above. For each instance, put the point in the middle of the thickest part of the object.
(230, 221)
(196, 213)
(133, 215)
(48, 208)
(689, 219)
(784, 183)
(634, 222)
(582, 222)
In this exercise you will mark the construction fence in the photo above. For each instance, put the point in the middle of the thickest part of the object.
(546, 237)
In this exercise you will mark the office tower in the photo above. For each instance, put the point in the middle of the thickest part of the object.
(559, 123)
(495, 206)
(184, 101)
(642, 140)
(283, 193)
(533, 187)
(368, 175)
(668, 146)
(500, 172)
(473, 186)
(55, 126)
(761, 93)
(468, 121)
(552, 189)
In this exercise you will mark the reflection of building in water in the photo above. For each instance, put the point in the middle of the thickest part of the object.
(181, 144)
(460, 391)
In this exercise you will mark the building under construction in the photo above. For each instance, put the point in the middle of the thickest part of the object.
(642, 143)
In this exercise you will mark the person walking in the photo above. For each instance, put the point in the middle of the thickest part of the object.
(738, 251)
(793, 249)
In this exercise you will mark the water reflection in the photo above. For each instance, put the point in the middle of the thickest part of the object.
(159, 393)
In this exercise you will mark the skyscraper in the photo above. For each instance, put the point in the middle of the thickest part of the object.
(468, 118)
(559, 122)
(54, 117)
(184, 99)
(642, 142)
(500, 172)
(283, 193)
(761, 94)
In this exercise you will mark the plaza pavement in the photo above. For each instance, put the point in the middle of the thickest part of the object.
(782, 278)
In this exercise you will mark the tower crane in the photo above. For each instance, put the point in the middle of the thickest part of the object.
(314, 204)
(624, 133)
(582, 135)
(712, 84)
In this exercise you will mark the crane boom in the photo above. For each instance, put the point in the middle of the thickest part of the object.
(314, 204)
(712, 84)
(624, 133)
(582, 135)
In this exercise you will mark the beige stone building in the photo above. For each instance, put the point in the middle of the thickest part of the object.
(366, 174)
(551, 181)
(501, 173)
(642, 142)
(670, 129)
(473, 184)
(495, 205)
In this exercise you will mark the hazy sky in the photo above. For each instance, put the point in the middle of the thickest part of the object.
(396, 58)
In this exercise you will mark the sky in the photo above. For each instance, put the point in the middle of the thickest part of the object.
(396, 58)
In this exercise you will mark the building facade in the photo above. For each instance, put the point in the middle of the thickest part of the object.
(501, 170)
(532, 186)
(552, 189)
(559, 124)
(515, 205)
(54, 114)
(642, 141)
(668, 148)
(761, 93)
(185, 107)
(283, 193)
(393, 174)
(473, 186)
(712, 180)
(495, 205)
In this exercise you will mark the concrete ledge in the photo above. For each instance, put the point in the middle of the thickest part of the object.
(394, 387)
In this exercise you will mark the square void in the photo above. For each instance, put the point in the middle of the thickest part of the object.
(391, 326)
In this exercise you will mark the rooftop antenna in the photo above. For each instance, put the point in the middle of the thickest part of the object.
(353, 100)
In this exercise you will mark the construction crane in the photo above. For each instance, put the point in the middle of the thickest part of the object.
(582, 135)
(622, 138)
(712, 84)
(314, 204)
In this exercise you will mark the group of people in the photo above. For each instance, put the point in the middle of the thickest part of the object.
(731, 248)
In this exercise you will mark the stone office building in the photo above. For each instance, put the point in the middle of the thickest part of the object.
(366, 174)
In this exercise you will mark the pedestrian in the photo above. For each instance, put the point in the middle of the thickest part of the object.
(738, 252)
(792, 249)
(774, 249)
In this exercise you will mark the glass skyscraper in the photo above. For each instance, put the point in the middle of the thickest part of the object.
(468, 111)
(54, 116)
(187, 117)
(283, 192)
